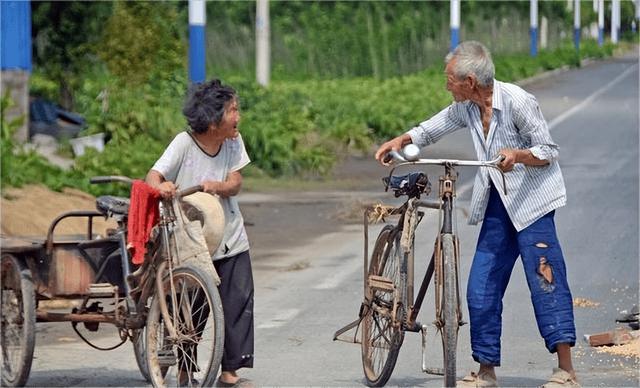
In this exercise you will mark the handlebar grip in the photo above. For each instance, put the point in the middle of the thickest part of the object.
(387, 158)
(189, 191)
(110, 179)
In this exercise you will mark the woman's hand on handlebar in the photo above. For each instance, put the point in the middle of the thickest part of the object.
(211, 187)
(167, 189)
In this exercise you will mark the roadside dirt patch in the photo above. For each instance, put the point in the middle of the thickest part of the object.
(632, 349)
(584, 302)
(28, 211)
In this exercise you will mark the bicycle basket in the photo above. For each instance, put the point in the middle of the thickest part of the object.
(412, 184)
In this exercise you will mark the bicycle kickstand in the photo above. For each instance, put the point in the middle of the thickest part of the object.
(425, 368)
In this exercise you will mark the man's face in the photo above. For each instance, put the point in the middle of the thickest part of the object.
(229, 124)
(460, 89)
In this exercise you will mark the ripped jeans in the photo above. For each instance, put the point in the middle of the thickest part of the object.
(499, 245)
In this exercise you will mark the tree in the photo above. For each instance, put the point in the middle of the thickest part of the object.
(64, 39)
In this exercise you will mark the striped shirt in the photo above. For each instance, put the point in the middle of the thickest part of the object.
(517, 122)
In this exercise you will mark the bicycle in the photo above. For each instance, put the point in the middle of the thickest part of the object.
(169, 307)
(389, 308)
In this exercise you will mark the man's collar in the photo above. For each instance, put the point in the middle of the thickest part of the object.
(496, 102)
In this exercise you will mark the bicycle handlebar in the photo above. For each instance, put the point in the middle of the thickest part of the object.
(189, 191)
(110, 179)
(451, 162)
(395, 155)
(127, 180)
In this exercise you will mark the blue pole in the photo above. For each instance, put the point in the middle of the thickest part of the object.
(455, 24)
(533, 31)
(15, 35)
(197, 22)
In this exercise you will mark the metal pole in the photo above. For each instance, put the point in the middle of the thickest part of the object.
(197, 22)
(262, 42)
(576, 24)
(600, 22)
(615, 20)
(455, 23)
(533, 32)
(544, 28)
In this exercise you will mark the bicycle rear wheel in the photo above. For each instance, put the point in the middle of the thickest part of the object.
(196, 313)
(381, 338)
(450, 305)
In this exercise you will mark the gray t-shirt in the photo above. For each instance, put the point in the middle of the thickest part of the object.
(186, 164)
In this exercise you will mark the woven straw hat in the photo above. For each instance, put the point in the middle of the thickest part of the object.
(208, 210)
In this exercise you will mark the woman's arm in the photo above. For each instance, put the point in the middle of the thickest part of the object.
(230, 187)
(156, 180)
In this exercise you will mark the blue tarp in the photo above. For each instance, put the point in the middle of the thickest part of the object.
(49, 119)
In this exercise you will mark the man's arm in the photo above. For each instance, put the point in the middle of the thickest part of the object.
(513, 156)
(427, 132)
(532, 126)
(394, 144)
(230, 187)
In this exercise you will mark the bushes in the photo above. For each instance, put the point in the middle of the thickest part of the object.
(289, 128)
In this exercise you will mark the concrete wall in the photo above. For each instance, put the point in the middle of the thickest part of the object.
(16, 84)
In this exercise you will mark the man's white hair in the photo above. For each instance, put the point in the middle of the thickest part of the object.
(473, 58)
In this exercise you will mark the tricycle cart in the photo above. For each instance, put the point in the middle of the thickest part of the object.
(168, 306)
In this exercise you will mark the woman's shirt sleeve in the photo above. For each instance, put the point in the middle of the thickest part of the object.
(239, 157)
(169, 163)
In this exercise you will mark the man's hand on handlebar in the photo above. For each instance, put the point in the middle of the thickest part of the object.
(510, 158)
(395, 144)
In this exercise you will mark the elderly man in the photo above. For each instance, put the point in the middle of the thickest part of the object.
(504, 119)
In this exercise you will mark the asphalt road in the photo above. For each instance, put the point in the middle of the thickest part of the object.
(305, 293)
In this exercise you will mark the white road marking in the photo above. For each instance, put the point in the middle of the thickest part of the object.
(340, 274)
(589, 99)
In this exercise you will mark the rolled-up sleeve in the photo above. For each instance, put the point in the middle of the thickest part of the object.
(533, 128)
(444, 122)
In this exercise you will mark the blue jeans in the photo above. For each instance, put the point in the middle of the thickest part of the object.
(499, 245)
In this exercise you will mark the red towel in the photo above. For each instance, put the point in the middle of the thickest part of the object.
(143, 215)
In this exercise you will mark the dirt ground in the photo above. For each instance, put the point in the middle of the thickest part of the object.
(28, 211)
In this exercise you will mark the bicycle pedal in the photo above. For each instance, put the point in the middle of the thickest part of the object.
(381, 283)
(434, 371)
(167, 358)
(101, 290)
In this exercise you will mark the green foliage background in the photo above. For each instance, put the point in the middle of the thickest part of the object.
(345, 75)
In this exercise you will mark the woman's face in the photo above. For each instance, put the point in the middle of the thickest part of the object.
(228, 126)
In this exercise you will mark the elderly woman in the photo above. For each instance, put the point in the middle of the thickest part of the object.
(211, 153)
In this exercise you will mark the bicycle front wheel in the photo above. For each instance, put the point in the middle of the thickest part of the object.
(17, 331)
(450, 303)
(382, 333)
(192, 357)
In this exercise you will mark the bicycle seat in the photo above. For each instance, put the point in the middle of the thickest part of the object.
(110, 205)
(412, 184)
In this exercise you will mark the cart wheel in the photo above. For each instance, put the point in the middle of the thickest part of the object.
(18, 328)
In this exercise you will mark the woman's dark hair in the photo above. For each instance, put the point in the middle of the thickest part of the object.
(205, 104)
